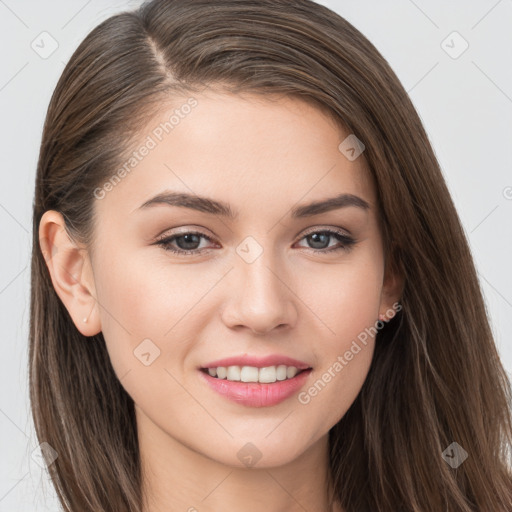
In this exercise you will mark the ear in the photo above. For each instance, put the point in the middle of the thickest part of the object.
(392, 290)
(71, 272)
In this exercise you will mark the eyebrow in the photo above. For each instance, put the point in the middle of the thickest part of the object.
(207, 205)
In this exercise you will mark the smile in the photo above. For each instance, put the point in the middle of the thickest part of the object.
(255, 387)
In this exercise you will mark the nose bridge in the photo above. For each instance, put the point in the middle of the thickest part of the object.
(260, 277)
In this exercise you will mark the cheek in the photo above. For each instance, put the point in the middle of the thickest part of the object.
(348, 309)
(147, 299)
(149, 315)
(133, 308)
(344, 361)
(346, 297)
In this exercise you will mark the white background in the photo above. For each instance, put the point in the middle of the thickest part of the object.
(465, 104)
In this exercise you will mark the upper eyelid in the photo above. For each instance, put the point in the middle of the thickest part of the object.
(326, 228)
(305, 232)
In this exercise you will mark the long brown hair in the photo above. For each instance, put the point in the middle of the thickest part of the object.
(435, 378)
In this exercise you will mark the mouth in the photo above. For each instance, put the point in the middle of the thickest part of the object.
(255, 387)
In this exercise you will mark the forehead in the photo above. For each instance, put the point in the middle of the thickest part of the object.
(249, 150)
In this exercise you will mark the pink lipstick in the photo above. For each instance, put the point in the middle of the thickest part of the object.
(291, 376)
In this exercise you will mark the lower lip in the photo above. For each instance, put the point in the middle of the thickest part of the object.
(256, 394)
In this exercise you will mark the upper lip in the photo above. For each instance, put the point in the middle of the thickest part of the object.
(258, 362)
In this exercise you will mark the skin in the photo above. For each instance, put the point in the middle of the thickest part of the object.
(263, 158)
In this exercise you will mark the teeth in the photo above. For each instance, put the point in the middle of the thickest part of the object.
(291, 371)
(233, 373)
(248, 374)
(281, 372)
(265, 375)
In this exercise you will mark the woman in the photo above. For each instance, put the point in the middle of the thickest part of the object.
(250, 286)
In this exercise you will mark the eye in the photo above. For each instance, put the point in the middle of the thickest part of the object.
(189, 242)
(186, 242)
(319, 238)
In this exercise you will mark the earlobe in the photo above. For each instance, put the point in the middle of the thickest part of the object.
(70, 271)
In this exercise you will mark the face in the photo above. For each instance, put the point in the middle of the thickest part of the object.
(177, 289)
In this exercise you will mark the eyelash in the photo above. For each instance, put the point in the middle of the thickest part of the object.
(347, 242)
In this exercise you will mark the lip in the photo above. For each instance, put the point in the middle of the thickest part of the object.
(256, 394)
(258, 362)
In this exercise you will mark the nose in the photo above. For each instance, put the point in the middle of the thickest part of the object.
(260, 298)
